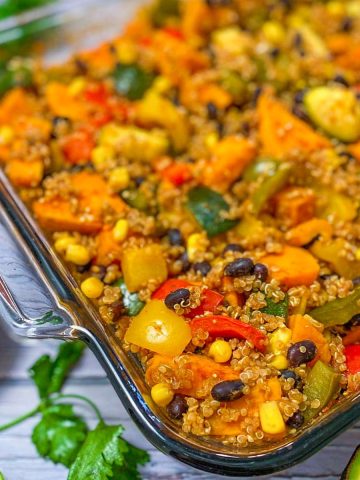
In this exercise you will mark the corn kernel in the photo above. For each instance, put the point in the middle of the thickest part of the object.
(280, 362)
(357, 254)
(119, 179)
(279, 340)
(161, 84)
(273, 32)
(162, 394)
(92, 287)
(335, 8)
(77, 86)
(220, 351)
(196, 243)
(6, 135)
(211, 140)
(353, 9)
(62, 244)
(126, 52)
(271, 419)
(101, 155)
(77, 254)
(121, 230)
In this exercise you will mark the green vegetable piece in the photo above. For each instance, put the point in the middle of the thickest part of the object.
(234, 83)
(335, 110)
(261, 167)
(208, 207)
(60, 434)
(322, 384)
(279, 309)
(49, 375)
(105, 456)
(10, 78)
(338, 311)
(132, 303)
(132, 81)
(165, 9)
(136, 199)
(269, 187)
(352, 470)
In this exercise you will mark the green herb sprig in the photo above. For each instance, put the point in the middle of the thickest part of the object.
(64, 437)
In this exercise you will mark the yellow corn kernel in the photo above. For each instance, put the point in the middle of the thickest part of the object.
(220, 351)
(271, 419)
(357, 254)
(280, 362)
(62, 243)
(6, 135)
(161, 84)
(126, 52)
(279, 340)
(92, 287)
(273, 32)
(101, 155)
(196, 243)
(335, 8)
(121, 230)
(77, 254)
(211, 140)
(77, 86)
(162, 394)
(119, 178)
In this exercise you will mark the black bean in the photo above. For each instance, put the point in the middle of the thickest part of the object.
(233, 247)
(299, 96)
(356, 281)
(239, 267)
(228, 390)
(301, 352)
(291, 374)
(185, 262)
(261, 271)
(175, 237)
(139, 180)
(340, 79)
(177, 407)
(202, 267)
(275, 52)
(83, 268)
(296, 421)
(212, 111)
(177, 297)
(347, 24)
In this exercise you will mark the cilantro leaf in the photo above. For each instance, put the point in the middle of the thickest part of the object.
(2, 476)
(133, 458)
(102, 452)
(60, 434)
(49, 375)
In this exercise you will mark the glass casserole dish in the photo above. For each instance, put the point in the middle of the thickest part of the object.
(74, 317)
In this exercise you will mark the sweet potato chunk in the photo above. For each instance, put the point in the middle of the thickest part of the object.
(295, 205)
(25, 174)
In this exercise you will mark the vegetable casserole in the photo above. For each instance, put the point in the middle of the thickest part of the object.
(200, 177)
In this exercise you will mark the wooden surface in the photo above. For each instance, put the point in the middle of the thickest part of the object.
(19, 461)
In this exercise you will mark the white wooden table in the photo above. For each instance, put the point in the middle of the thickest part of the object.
(19, 460)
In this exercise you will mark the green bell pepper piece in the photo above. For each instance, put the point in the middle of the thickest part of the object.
(338, 311)
(132, 81)
(135, 199)
(261, 166)
(352, 470)
(279, 309)
(271, 185)
(207, 206)
(322, 384)
(133, 305)
(165, 9)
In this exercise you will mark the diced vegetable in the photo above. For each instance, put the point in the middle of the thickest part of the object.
(159, 329)
(281, 133)
(294, 205)
(135, 198)
(141, 265)
(62, 103)
(338, 311)
(20, 76)
(280, 340)
(332, 252)
(261, 167)
(322, 384)
(209, 207)
(169, 286)
(352, 354)
(269, 186)
(303, 329)
(221, 326)
(293, 266)
(336, 205)
(335, 110)
(278, 309)
(163, 10)
(131, 301)
(306, 232)
(202, 368)
(271, 419)
(77, 147)
(177, 173)
(352, 471)
(25, 174)
(229, 159)
(132, 81)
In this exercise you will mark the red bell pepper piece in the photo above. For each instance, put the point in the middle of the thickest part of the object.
(174, 32)
(220, 326)
(78, 146)
(211, 299)
(352, 354)
(177, 173)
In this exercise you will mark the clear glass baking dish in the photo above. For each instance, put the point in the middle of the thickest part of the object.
(29, 269)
